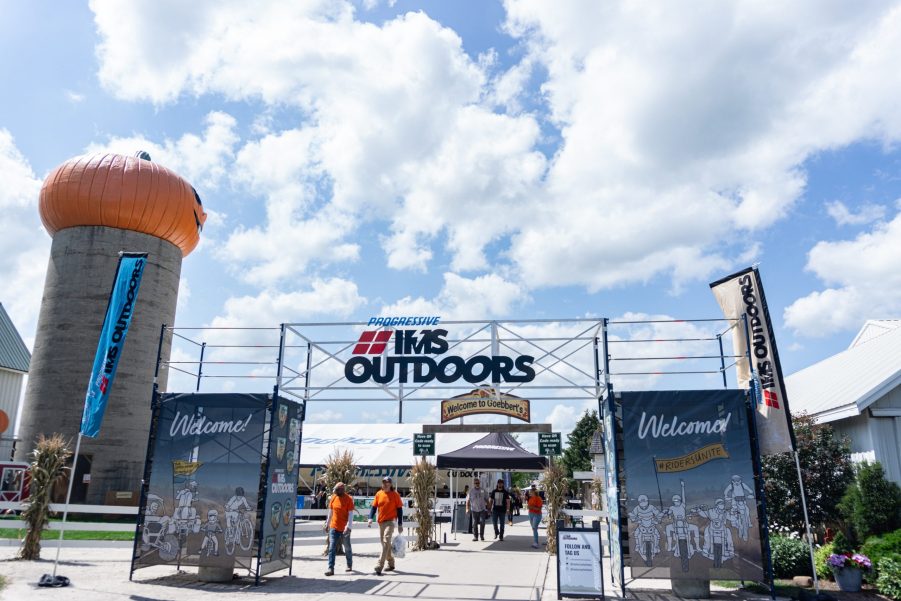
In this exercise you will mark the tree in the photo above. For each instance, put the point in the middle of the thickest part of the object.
(872, 505)
(576, 456)
(826, 466)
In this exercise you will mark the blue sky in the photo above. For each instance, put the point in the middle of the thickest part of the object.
(481, 159)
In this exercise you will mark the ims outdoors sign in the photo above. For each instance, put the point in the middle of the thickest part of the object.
(421, 356)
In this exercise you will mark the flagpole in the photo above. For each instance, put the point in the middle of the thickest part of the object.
(62, 529)
(813, 563)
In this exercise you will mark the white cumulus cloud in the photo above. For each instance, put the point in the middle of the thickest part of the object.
(24, 246)
(862, 282)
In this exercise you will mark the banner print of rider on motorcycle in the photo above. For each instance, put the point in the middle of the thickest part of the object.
(689, 479)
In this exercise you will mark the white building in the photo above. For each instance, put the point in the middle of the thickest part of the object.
(858, 392)
(14, 361)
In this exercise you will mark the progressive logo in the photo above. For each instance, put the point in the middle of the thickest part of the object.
(418, 356)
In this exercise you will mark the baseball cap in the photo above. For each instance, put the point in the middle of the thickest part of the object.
(387, 479)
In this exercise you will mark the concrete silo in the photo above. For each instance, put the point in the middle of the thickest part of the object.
(94, 207)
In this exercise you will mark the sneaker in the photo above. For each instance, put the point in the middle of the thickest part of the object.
(483, 539)
(378, 571)
(389, 569)
(349, 569)
(330, 572)
(476, 538)
(534, 545)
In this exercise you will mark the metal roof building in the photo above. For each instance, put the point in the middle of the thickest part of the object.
(14, 362)
(858, 391)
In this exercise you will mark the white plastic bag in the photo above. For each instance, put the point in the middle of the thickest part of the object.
(399, 545)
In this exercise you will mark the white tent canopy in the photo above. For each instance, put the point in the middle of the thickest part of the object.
(373, 445)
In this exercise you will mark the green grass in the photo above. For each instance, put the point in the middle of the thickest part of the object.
(73, 534)
(784, 588)
(19, 534)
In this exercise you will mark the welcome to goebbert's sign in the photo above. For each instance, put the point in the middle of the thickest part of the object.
(485, 400)
(393, 351)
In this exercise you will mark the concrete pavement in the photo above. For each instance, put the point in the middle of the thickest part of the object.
(461, 569)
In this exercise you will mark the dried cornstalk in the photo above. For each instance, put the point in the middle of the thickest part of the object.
(424, 476)
(48, 465)
(555, 486)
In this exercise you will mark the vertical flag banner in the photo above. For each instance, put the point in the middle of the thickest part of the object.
(740, 293)
(112, 339)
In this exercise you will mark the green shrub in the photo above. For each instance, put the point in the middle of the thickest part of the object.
(872, 505)
(824, 572)
(878, 547)
(841, 544)
(889, 581)
(791, 557)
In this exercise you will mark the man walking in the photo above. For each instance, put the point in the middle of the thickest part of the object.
(389, 506)
(500, 506)
(477, 507)
(340, 512)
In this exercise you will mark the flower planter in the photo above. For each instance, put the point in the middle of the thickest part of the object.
(848, 579)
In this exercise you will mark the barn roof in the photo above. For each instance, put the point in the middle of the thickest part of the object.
(14, 354)
(848, 382)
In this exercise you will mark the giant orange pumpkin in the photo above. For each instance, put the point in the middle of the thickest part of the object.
(124, 192)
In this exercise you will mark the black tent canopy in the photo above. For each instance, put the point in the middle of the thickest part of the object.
(496, 452)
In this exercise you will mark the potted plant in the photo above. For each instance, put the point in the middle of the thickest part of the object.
(848, 570)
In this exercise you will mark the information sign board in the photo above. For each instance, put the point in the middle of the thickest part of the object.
(424, 444)
(579, 570)
(549, 443)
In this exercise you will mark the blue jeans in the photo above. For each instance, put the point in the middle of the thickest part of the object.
(333, 537)
(499, 517)
(535, 520)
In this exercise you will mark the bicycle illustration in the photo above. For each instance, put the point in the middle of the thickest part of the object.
(239, 532)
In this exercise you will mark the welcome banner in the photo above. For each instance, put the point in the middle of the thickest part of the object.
(119, 312)
(691, 495)
(742, 293)
(202, 493)
(485, 400)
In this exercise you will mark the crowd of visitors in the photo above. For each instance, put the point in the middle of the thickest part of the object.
(502, 505)
(387, 511)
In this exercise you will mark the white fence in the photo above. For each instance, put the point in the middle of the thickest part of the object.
(584, 515)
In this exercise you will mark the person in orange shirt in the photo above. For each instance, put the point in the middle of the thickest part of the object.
(389, 506)
(338, 522)
(535, 503)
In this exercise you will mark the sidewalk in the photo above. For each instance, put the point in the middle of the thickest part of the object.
(461, 569)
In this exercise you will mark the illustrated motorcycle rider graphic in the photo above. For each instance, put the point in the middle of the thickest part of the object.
(157, 530)
(185, 516)
(211, 530)
(682, 537)
(738, 493)
(717, 535)
(646, 534)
